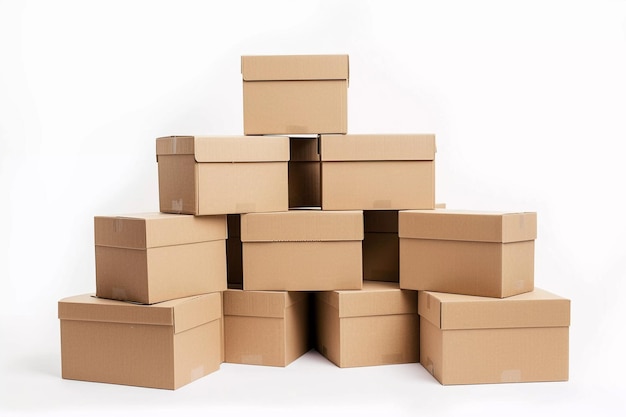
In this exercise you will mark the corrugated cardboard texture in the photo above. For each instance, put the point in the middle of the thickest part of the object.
(161, 346)
(226, 148)
(294, 67)
(387, 147)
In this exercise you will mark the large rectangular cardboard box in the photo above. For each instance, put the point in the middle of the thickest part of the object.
(378, 172)
(164, 345)
(295, 94)
(204, 175)
(490, 254)
(304, 172)
(152, 257)
(377, 325)
(265, 327)
(381, 246)
(302, 250)
(478, 340)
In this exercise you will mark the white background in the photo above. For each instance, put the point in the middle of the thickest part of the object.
(527, 99)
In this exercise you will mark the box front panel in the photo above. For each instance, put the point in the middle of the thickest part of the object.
(378, 185)
(431, 350)
(472, 268)
(197, 352)
(327, 331)
(122, 274)
(302, 266)
(518, 267)
(232, 188)
(295, 107)
(381, 257)
(177, 184)
(254, 340)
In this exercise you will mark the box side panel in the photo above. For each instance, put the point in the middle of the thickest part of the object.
(378, 185)
(378, 147)
(122, 274)
(327, 331)
(118, 353)
(197, 352)
(120, 232)
(295, 107)
(518, 267)
(254, 340)
(302, 266)
(431, 352)
(304, 184)
(169, 230)
(381, 257)
(177, 184)
(297, 330)
(226, 188)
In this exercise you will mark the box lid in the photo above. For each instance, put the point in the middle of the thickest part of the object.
(389, 147)
(376, 298)
(295, 67)
(476, 226)
(538, 308)
(260, 303)
(226, 148)
(182, 313)
(150, 230)
(302, 225)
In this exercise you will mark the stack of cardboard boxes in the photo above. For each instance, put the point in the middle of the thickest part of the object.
(299, 235)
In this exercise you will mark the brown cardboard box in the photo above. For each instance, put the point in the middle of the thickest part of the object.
(378, 172)
(476, 340)
(153, 257)
(302, 250)
(381, 251)
(222, 175)
(377, 325)
(304, 172)
(164, 345)
(265, 327)
(295, 94)
(488, 254)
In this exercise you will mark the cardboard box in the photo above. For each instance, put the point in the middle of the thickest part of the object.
(302, 250)
(478, 340)
(164, 345)
(304, 172)
(295, 94)
(378, 172)
(265, 327)
(381, 246)
(153, 257)
(206, 175)
(488, 254)
(377, 325)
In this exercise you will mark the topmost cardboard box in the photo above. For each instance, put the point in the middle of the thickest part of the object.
(295, 94)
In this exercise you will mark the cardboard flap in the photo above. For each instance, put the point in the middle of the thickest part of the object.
(302, 225)
(476, 226)
(295, 67)
(149, 230)
(227, 148)
(260, 303)
(538, 308)
(383, 147)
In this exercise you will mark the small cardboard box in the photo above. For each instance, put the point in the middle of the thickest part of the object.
(304, 172)
(302, 250)
(377, 325)
(381, 246)
(378, 172)
(295, 94)
(206, 175)
(153, 257)
(490, 254)
(164, 345)
(265, 327)
(479, 340)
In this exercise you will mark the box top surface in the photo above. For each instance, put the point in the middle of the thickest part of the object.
(376, 298)
(181, 314)
(150, 230)
(260, 303)
(295, 67)
(380, 147)
(538, 308)
(226, 148)
(302, 226)
(476, 226)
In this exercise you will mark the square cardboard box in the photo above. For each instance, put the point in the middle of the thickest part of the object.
(295, 94)
(165, 345)
(302, 250)
(377, 325)
(378, 172)
(490, 254)
(152, 257)
(204, 175)
(265, 327)
(479, 340)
